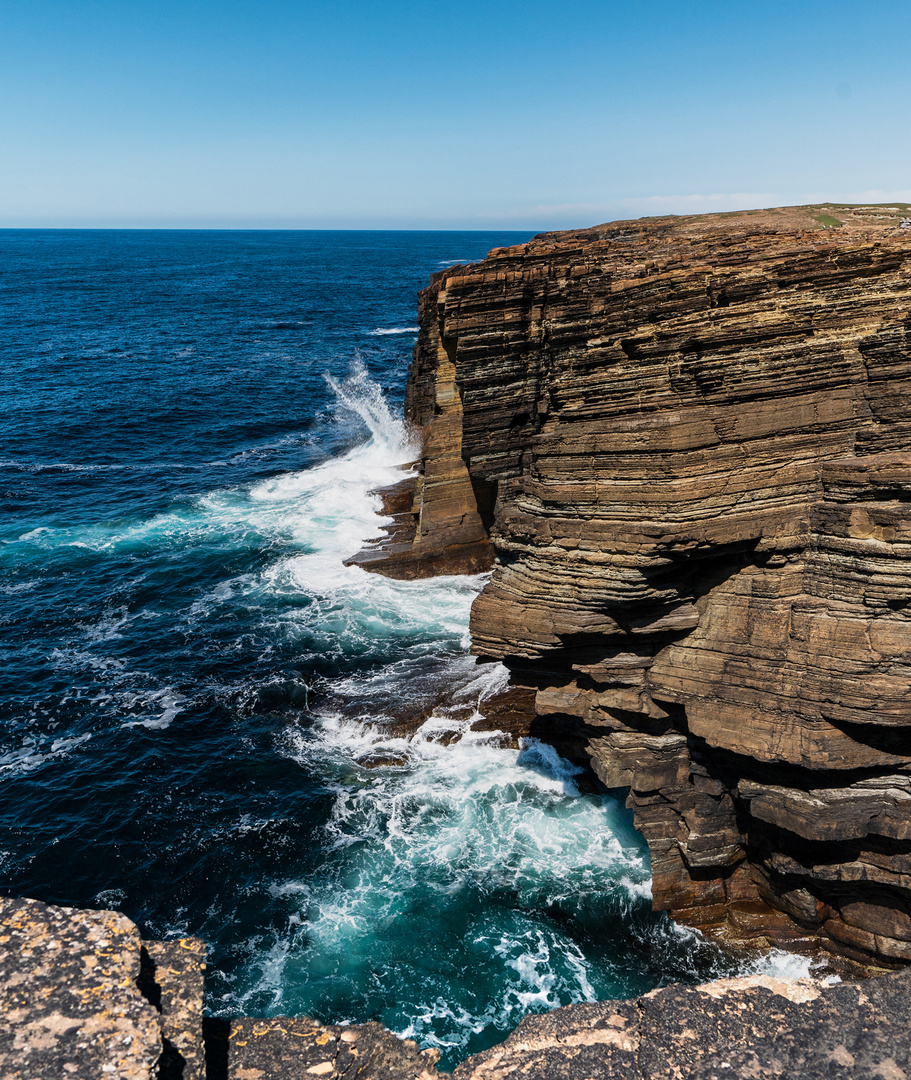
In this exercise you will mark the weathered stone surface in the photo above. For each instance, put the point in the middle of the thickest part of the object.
(174, 984)
(76, 993)
(69, 1000)
(690, 443)
(752, 1027)
(281, 1049)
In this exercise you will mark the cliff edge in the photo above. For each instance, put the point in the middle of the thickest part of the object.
(687, 444)
(82, 996)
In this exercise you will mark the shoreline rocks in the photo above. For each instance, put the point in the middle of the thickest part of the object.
(687, 442)
(82, 996)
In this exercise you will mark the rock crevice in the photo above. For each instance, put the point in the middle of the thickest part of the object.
(81, 995)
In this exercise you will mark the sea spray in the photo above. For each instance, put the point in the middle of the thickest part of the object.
(195, 684)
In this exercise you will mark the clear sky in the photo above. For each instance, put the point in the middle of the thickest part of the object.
(403, 114)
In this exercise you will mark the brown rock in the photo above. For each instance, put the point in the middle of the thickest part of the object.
(688, 442)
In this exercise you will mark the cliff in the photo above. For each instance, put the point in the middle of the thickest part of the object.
(82, 996)
(687, 443)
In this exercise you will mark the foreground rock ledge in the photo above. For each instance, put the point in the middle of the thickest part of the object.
(687, 444)
(81, 996)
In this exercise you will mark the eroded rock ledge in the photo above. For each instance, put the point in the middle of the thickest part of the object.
(82, 996)
(688, 443)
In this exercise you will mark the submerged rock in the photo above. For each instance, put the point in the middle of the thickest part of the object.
(687, 440)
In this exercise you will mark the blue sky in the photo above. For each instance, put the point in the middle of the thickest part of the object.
(405, 114)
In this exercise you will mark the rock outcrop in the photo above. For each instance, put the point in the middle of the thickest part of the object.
(689, 443)
(83, 996)
(738, 1028)
(80, 997)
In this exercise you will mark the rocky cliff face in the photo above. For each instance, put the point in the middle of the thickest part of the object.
(689, 444)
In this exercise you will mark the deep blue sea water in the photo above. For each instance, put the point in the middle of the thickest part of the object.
(192, 682)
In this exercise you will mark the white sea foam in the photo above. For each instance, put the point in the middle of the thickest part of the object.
(782, 965)
(35, 752)
(78, 467)
(109, 898)
(130, 696)
(490, 835)
(380, 332)
(19, 587)
(169, 703)
(437, 826)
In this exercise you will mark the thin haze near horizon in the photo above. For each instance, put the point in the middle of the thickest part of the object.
(403, 115)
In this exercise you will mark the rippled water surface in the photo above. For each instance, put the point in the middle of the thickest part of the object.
(191, 426)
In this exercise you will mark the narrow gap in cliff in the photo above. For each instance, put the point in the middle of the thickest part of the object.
(172, 1063)
(485, 495)
(215, 1035)
(145, 980)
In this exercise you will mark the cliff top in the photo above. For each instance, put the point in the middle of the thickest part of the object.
(836, 222)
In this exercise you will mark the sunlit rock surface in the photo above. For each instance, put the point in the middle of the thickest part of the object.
(689, 441)
(79, 998)
(82, 996)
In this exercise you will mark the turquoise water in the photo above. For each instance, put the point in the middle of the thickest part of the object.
(194, 685)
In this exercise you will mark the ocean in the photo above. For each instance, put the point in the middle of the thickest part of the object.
(199, 700)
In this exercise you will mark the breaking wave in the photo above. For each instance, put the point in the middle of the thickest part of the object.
(207, 713)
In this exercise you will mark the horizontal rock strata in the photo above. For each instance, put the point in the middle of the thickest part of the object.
(689, 442)
(79, 998)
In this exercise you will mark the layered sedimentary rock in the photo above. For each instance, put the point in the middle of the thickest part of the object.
(689, 442)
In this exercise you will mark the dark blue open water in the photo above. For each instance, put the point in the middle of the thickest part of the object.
(190, 427)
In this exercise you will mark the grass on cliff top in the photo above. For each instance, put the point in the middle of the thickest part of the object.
(810, 216)
(835, 215)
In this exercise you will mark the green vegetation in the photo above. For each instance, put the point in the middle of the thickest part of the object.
(828, 221)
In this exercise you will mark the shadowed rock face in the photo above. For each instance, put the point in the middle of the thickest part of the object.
(689, 441)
